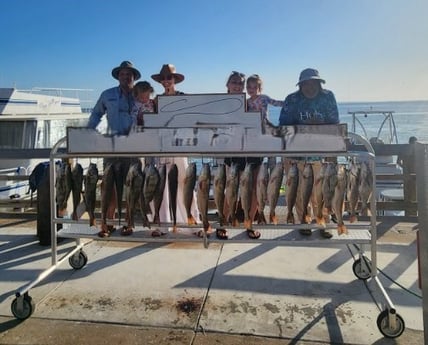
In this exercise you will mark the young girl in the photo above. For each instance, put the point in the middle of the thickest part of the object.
(257, 101)
(143, 103)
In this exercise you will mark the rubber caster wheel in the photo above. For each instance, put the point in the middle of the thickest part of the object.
(78, 260)
(385, 329)
(361, 271)
(27, 309)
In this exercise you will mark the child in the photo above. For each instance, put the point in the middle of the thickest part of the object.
(143, 103)
(257, 101)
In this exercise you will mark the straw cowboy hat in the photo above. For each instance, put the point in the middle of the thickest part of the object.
(308, 74)
(166, 70)
(125, 64)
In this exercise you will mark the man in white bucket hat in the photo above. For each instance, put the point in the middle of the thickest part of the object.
(310, 105)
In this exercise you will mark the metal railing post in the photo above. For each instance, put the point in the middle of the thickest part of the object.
(422, 188)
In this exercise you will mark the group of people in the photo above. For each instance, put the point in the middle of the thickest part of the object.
(125, 105)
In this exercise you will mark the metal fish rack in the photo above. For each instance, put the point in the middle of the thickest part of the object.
(232, 133)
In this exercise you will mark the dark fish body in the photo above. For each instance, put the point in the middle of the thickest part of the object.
(120, 168)
(134, 182)
(246, 193)
(90, 183)
(63, 186)
(339, 198)
(232, 187)
(366, 186)
(329, 185)
(107, 191)
(202, 192)
(158, 197)
(77, 186)
(172, 190)
(319, 179)
(292, 186)
(352, 189)
(188, 189)
(273, 189)
(219, 192)
(307, 186)
(151, 184)
(261, 192)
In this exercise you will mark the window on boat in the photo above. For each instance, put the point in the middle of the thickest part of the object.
(18, 134)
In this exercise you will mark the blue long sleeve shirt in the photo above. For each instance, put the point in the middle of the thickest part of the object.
(299, 110)
(117, 106)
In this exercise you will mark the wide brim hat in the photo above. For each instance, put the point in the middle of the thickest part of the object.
(126, 64)
(309, 74)
(168, 69)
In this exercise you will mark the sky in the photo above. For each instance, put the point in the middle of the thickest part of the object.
(366, 50)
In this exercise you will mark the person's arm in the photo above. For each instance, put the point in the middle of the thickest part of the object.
(332, 112)
(286, 115)
(97, 113)
(274, 102)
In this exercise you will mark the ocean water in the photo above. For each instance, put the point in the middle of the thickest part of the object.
(411, 118)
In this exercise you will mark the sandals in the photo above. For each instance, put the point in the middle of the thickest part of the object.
(200, 233)
(106, 230)
(157, 233)
(126, 231)
(253, 234)
(221, 234)
(305, 232)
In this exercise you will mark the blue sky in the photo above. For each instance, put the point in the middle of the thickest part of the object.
(367, 50)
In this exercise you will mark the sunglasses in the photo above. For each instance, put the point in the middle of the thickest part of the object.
(167, 77)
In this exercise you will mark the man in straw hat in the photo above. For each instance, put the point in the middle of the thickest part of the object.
(116, 103)
(311, 104)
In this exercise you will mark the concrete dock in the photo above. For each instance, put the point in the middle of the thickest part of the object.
(229, 293)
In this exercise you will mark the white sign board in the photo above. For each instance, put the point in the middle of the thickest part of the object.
(208, 123)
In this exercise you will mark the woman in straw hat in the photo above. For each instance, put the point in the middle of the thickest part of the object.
(168, 78)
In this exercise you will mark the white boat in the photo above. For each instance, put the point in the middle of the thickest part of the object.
(29, 120)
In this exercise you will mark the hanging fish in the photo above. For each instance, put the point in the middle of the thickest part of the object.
(77, 186)
(202, 193)
(219, 192)
(63, 186)
(172, 190)
(292, 186)
(352, 189)
(90, 183)
(339, 198)
(318, 185)
(158, 197)
(246, 193)
(232, 187)
(188, 189)
(366, 186)
(307, 186)
(151, 184)
(273, 189)
(261, 192)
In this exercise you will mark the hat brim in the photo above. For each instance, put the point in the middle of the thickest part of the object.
(116, 70)
(311, 78)
(177, 77)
